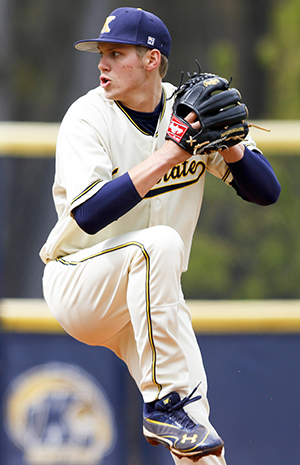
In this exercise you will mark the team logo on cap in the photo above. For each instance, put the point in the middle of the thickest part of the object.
(151, 41)
(106, 27)
(57, 413)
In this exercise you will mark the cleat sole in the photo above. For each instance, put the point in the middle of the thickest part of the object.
(216, 451)
(155, 441)
(152, 441)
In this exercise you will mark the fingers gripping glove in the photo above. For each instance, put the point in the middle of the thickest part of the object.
(219, 110)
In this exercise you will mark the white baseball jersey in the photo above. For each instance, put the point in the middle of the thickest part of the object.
(97, 142)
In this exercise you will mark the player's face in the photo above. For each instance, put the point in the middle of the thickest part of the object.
(122, 72)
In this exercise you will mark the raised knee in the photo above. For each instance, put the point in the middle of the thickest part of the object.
(166, 240)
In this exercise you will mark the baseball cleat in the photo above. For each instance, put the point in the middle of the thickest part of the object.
(168, 424)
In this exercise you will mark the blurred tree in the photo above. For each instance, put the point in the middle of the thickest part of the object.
(244, 251)
(40, 61)
(224, 55)
(278, 53)
(6, 10)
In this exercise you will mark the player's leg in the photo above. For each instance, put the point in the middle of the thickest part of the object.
(200, 409)
(153, 298)
(163, 292)
(125, 348)
(95, 293)
(87, 294)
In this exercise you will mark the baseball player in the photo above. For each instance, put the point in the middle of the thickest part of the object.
(128, 201)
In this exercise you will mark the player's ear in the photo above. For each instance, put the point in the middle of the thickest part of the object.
(153, 59)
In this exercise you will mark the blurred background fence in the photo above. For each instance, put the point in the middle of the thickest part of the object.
(244, 274)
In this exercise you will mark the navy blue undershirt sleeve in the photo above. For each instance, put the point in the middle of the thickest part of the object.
(111, 202)
(254, 179)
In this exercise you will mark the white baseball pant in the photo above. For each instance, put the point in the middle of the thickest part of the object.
(125, 294)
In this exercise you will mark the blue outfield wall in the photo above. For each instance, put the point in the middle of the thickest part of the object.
(254, 385)
(54, 388)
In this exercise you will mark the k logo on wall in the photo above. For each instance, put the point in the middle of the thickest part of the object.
(57, 413)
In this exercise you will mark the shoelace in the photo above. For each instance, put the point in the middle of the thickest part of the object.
(179, 414)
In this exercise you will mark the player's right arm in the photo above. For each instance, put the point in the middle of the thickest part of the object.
(146, 174)
(120, 195)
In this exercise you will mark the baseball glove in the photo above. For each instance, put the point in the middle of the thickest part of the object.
(219, 110)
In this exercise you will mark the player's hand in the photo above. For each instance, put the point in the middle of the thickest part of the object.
(191, 118)
(146, 174)
(233, 154)
(179, 154)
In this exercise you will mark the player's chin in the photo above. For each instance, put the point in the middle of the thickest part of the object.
(110, 92)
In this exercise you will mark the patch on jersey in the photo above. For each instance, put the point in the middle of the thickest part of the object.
(106, 27)
(176, 129)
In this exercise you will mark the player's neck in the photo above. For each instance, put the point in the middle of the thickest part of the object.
(144, 99)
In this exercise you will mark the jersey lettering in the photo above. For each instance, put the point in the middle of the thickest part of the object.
(183, 170)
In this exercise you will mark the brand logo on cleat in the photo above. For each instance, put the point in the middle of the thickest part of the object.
(186, 438)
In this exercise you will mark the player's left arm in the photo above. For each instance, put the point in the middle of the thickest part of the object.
(253, 177)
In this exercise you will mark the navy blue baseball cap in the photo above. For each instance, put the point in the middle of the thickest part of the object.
(131, 26)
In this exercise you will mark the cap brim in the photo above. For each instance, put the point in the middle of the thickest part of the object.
(91, 45)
